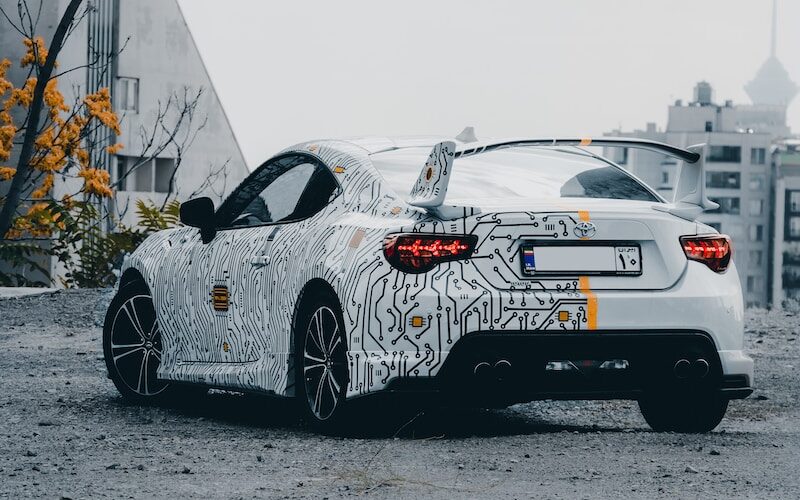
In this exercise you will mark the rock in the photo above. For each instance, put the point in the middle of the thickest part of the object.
(761, 397)
(460, 466)
(691, 470)
(186, 470)
(140, 467)
(112, 467)
(46, 423)
(713, 452)
(101, 437)
(30, 453)
(527, 455)
(259, 458)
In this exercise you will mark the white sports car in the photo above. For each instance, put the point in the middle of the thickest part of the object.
(485, 273)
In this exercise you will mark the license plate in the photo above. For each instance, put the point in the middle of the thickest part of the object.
(616, 260)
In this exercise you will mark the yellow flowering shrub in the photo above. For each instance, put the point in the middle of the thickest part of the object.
(60, 143)
(95, 181)
(7, 173)
(37, 52)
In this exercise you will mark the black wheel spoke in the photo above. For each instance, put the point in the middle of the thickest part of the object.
(143, 375)
(130, 311)
(128, 353)
(317, 366)
(335, 341)
(318, 396)
(332, 382)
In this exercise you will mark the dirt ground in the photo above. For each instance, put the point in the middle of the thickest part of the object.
(66, 433)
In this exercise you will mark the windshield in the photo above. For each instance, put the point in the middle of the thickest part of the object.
(518, 172)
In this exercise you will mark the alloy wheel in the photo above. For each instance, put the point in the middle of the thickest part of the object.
(136, 346)
(324, 363)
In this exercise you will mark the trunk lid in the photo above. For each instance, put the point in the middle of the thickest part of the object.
(575, 239)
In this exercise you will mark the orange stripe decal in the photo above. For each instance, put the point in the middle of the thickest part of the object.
(586, 141)
(583, 215)
(591, 303)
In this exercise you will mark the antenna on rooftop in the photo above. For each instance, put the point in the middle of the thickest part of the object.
(773, 47)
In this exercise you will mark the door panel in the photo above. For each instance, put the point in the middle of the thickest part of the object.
(228, 278)
(250, 289)
(209, 289)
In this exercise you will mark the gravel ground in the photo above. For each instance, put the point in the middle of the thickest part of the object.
(65, 432)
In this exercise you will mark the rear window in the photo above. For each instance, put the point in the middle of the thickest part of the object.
(520, 172)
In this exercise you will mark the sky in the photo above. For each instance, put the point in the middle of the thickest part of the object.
(287, 72)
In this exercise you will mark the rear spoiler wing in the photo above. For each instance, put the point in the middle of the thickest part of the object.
(431, 187)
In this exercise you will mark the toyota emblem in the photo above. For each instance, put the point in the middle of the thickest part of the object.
(585, 229)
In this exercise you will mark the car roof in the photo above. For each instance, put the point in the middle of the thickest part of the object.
(379, 144)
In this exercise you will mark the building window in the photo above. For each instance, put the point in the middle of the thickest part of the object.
(151, 175)
(756, 257)
(724, 180)
(725, 154)
(727, 205)
(754, 284)
(793, 202)
(793, 228)
(756, 207)
(128, 94)
(757, 182)
(756, 232)
(665, 178)
(758, 156)
(709, 127)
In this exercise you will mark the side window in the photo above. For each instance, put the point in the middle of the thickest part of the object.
(278, 201)
(285, 190)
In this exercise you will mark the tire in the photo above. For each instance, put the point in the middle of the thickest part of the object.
(687, 413)
(132, 349)
(321, 363)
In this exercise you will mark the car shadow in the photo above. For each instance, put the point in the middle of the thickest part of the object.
(375, 418)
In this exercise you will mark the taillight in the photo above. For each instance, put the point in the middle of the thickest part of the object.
(715, 251)
(419, 253)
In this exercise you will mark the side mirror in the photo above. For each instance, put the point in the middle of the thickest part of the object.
(199, 213)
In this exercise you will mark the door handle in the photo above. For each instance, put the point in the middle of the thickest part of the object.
(260, 261)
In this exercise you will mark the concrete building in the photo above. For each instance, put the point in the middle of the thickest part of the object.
(738, 174)
(157, 59)
(739, 140)
(785, 279)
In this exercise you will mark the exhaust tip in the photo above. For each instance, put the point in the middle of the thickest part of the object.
(682, 368)
(502, 369)
(482, 370)
(700, 368)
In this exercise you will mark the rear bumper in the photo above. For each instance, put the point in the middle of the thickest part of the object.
(518, 367)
